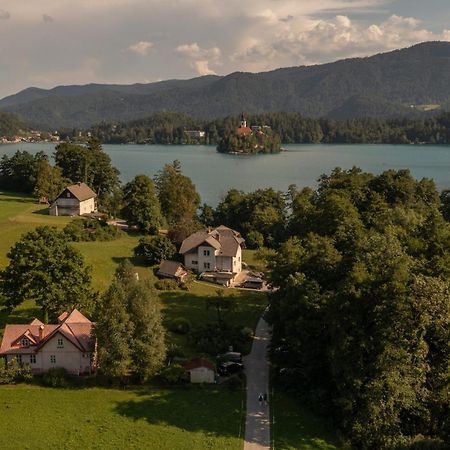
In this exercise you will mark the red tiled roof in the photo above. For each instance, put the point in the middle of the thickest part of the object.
(243, 131)
(199, 362)
(75, 327)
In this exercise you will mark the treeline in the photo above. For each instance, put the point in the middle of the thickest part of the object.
(169, 128)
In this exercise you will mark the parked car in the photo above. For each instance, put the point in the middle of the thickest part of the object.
(229, 368)
(230, 356)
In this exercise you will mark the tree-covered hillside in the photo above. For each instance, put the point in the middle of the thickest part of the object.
(10, 125)
(402, 82)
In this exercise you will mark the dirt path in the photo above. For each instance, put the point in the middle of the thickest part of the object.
(257, 423)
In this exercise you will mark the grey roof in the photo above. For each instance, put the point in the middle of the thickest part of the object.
(222, 238)
(81, 191)
(171, 268)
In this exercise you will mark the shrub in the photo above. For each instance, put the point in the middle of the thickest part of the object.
(175, 351)
(180, 325)
(235, 383)
(85, 230)
(154, 249)
(166, 285)
(174, 374)
(55, 377)
(13, 372)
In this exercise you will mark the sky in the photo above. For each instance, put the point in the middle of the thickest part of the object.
(45, 43)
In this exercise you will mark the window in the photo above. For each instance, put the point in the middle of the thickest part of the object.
(207, 265)
(234, 262)
(19, 359)
(68, 195)
(206, 252)
(24, 342)
(32, 359)
(52, 359)
(195, 262)
(60, 343)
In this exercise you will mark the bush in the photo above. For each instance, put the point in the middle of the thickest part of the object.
(180, 325)
(174, 374)
(154, 249)
(175, 351)
(166, 285)
(13, 372)
(55, 377)
(86, 230)
(214, 338)
(235, 383)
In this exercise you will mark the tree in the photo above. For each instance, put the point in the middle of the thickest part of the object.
(49, 181)
(90, 165)
(177, 194)
(45, 268)
(154, 249)
(141, 206)
(129, 330)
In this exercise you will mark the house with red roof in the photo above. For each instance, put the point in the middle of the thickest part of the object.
(68, 344)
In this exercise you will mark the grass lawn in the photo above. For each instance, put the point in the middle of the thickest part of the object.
(296, 428)
(34, 417)
(192, 306)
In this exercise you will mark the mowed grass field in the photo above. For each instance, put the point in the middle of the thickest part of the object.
(37, 418)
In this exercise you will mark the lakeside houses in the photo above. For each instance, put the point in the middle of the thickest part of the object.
(67, 344)
(75, 200)
(215, 254)
(195, 134)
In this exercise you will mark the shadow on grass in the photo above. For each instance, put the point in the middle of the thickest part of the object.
(214, 412)
(44, 211)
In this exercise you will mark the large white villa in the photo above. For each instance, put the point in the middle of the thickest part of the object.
(217, 253)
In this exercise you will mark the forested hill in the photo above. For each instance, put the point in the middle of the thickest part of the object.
(10, 125)
(392, 84)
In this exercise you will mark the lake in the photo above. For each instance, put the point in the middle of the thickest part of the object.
(214, 173)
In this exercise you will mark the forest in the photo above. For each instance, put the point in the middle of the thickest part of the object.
(169, 128)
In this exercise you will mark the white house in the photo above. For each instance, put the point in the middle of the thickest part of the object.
(201, 371)
(67, 344)
(217, 252)
(75, 200)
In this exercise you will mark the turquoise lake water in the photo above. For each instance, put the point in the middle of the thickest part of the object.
(214, 173)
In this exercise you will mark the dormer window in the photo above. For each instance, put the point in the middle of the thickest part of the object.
(68, 195)
(60, 343)
(24, 342)
(206, 252)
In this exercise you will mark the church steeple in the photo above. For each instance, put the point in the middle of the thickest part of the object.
(243, 121)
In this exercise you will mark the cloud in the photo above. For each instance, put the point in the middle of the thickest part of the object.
(200, 59)
(141, 48)
(47, 19)
(316, 41)
(4, 15)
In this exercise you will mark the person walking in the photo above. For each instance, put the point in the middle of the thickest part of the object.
(260, 398)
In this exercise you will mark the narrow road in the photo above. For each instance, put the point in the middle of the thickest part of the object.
(257, 423)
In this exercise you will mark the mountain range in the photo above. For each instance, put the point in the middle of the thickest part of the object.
(398, 83)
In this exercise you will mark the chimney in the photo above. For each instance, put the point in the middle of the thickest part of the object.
(41, 332)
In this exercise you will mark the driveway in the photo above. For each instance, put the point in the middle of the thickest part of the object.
(257, 423)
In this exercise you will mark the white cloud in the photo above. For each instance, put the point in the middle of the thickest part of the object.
(141, 47)
(4, 15)
(315, 41)
(200, 59)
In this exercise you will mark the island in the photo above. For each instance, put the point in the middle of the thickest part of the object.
(250, 140)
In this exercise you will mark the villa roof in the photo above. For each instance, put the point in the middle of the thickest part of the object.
(172, 268)
(75, 327)
(80, 191)
(222, 238)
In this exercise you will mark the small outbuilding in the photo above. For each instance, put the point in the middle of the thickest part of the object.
(201, 370)
(172, 269)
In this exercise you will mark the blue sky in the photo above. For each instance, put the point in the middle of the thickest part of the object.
(46, 43)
